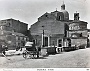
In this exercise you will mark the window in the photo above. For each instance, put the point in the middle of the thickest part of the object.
(18, 38)
(9, 24)
(46, 15)
(80, 34)
(60, 43)
(60, 18)
(88, 35)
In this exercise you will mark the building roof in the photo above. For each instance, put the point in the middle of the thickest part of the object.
(64, 12)
(13, 19)
(79, 21)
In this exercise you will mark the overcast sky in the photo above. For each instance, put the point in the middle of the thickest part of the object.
(29, 10)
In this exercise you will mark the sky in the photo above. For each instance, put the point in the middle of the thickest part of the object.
(29, 11)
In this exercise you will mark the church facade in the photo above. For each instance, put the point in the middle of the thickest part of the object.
(55, 29)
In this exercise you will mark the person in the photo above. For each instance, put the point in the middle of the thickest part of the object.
(3, 49)
(38, 48)
(0, 48)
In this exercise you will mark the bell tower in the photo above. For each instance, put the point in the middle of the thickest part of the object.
(63, 6)
(76, 16)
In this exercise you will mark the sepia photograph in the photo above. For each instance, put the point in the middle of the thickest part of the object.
(44, 35)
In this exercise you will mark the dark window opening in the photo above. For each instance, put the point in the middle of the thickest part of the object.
(59, 43)
(60, 18)
(46, 15)
(81, 35)
(46, 41)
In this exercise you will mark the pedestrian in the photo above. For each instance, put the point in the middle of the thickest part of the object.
(38, 48)
(3, 49)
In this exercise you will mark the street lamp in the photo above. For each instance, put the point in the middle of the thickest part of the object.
(43, 35)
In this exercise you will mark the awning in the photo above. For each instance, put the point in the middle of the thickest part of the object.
(29, 44)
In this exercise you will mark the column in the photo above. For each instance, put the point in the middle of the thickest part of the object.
(57, 42)
(42, 40)
(48, 41)
(62, 43)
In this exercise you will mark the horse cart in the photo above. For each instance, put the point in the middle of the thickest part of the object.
(31, 51)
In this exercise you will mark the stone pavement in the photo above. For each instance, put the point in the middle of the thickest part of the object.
(73, 59)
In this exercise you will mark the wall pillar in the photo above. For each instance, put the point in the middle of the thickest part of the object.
(62, 42)
(57, 42)
(48, 41)
(42, 40)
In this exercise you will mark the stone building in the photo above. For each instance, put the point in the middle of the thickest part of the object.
(55, 29)
(78, 32)
(51, 28)
(14, 25)
(13, 33)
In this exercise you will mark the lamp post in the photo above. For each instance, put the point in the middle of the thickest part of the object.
(43, 35)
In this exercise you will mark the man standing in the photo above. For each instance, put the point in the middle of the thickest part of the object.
(38, 48)
(3, 49)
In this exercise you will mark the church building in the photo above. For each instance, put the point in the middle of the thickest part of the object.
(55, 29)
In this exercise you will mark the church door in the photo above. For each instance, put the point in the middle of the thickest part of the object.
(46, 41)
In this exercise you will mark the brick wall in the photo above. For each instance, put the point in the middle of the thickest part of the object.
(19, 27)
(50, 27)
(15, 25)
(79, 41)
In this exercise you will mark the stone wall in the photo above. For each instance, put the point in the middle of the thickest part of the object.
(79, 41)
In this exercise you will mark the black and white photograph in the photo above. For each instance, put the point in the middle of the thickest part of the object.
(45, 35)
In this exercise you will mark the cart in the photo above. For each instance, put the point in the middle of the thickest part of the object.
(31, 51)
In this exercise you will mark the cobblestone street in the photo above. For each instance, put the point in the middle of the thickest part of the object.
(73, 59)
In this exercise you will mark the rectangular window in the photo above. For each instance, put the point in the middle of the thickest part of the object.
(59, 43)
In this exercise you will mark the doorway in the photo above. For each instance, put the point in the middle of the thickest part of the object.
(45, 41)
